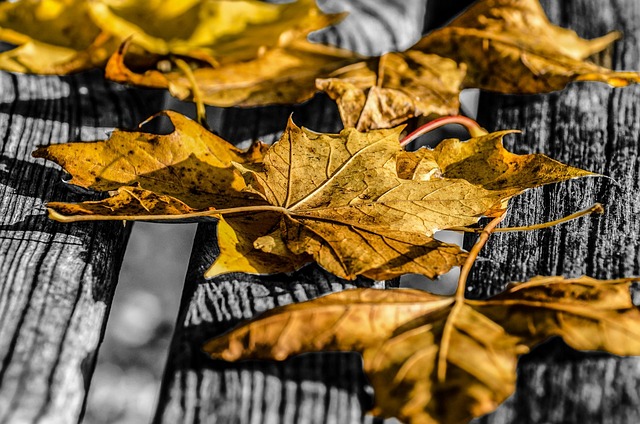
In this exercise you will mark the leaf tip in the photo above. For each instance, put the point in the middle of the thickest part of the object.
(115, 69)
(217, 350)
(41, 152)
(291, 125)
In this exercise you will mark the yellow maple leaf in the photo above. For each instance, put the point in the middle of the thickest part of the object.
(52, 37)
(499, 45)
(282, 74)
(211, 30)
(63, 36)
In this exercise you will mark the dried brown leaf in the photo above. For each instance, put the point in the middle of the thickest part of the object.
(511, 47)
(400, 335)
(347, 200)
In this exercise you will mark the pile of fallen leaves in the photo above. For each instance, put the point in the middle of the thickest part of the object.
(357, 203)
(250, 53)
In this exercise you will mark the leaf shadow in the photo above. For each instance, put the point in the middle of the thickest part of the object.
(82, 100)
(27, 186)
(36, 183)
(556, 350)
(266, 123)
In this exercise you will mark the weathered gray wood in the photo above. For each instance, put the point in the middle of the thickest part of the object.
(319, 388)
(56, 280)
(598, 128)
(373, 28)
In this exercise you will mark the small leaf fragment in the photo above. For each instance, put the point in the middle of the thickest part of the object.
(236, 240)
(387, 91)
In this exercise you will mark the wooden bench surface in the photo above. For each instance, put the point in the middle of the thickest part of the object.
(57, 280)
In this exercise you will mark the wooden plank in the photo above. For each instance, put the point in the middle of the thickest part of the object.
(56, 280)
(598, 128)
(318, 388)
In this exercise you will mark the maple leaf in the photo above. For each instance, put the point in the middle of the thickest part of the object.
(263, 57)
(49, 38)
(403, 336)
(511, 47)
(385, 92)
(250, 62)
(351, 201)
(206, 30)
(210, 30)
(283, 74)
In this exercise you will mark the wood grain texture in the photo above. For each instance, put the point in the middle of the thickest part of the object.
(56, 280)
(372, 27)
(311, 389)
(595, 127)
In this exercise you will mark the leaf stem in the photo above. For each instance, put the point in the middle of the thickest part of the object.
(201, 112)
(53, 214)
(473, 255)
(595, 208)
(472, 126)
(459, 296)
(380, 75)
